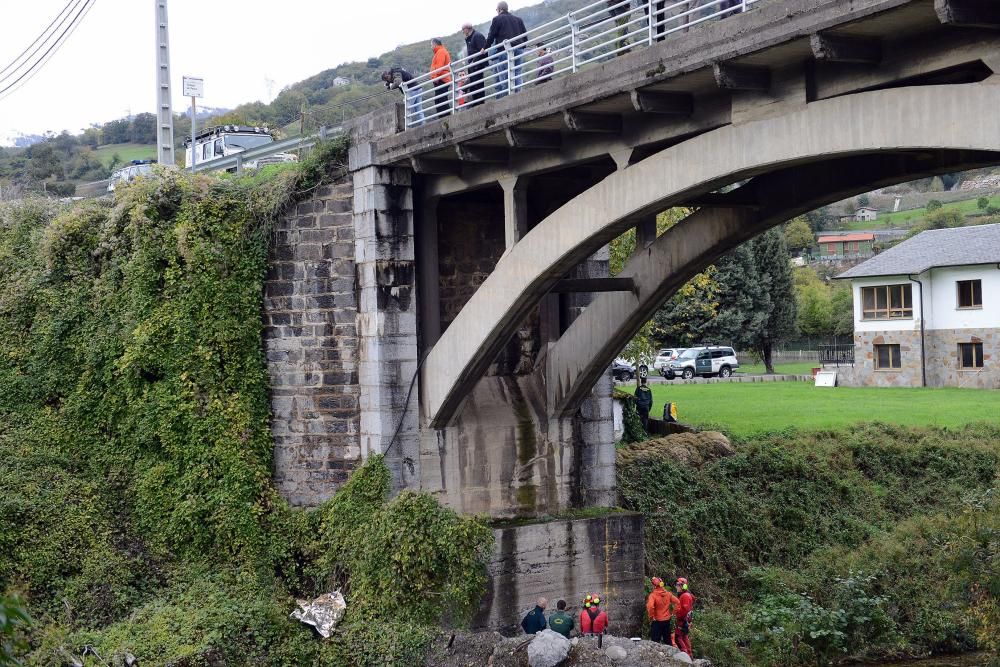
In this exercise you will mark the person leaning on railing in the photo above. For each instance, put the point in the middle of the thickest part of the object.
(475, 44)
(395, 78)
(506, 26)
(441, 78)
(545, 65)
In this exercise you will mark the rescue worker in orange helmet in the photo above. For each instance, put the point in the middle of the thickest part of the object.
(661, 605)
(593, 619)
(683, 615)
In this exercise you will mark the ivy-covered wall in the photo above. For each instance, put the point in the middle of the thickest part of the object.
(137, 510)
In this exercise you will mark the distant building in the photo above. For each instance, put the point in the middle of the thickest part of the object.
(927, 312)
(846, 245)
(341, 81)
(865, 214)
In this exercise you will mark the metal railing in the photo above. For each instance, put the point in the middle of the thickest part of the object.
(836, 355)
(597, 32)
(255, 155)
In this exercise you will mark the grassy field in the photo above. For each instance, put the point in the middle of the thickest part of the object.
(913, 216)
(744, 409)
(781, 368)
(127, 152)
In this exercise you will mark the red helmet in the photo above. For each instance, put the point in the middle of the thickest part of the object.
(657, 582)
(682, 582)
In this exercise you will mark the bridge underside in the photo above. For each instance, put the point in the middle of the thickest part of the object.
(473, 319)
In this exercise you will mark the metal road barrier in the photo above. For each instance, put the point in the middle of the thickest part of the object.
(598, 32)
(258, 156)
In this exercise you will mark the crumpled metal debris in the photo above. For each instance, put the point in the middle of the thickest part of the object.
(323, 613)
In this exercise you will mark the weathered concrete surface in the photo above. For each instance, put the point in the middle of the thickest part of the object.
(311, 343)
(567, 560)
(890, 121)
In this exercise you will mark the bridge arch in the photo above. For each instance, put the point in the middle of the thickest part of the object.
(914, 120)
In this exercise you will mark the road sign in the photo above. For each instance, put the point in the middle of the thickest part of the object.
(194, 87)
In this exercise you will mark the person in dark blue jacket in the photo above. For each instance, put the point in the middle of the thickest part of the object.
(506, 26)
(534, 620)
(475, 44)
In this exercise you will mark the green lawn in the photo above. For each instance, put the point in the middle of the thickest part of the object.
(127, 152)
(913, 216)
(781, 368)
(743, 408)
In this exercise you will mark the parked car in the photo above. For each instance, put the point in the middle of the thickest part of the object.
(622, 370)
(705, 361)
(664, 358)
(130, 172)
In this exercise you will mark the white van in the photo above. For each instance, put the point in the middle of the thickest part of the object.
(130, 172)
(227, 140)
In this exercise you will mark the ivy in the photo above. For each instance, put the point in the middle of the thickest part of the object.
(136, 505)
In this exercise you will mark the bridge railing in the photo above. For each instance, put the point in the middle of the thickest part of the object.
(594, 33)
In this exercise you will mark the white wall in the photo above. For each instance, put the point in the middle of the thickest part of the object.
(943, 292)
(885, 325)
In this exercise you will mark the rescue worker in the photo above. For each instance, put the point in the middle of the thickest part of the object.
(441, 77)
(593, 619)
(534, 620)
(661, 605)
(683, 615)
(643, 402)
(560, 621)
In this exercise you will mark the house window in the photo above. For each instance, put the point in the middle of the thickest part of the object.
(831, 249)
(970, 293)
(887, 302)
(970, 355)
(886, 357)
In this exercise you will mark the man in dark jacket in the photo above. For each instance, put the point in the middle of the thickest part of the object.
(395, 78)
(534, 620)
(475, 44)
(506, 26)
(643, 402)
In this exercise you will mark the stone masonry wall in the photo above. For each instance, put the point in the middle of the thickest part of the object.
(567, 560)
(943, 362)
(863, 374)
(311, 343)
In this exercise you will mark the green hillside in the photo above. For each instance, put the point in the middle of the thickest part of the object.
(125, 153)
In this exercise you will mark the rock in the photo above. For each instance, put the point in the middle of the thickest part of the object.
(703, 663)
(548, 649)
(616, 653)
(681, 656)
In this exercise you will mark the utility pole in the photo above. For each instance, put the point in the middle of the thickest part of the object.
(164, 108)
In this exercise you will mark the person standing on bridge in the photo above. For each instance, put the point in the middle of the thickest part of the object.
(475, 44)
(395, 78)
(506, 28)
(441, 77)
(545, 64)
(643, 402)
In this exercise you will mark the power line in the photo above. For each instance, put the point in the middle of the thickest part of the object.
(38, 64)
(37, 39)
(41, 40)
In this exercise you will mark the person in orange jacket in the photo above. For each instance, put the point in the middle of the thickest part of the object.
(593, 619)
(441, 77)
(661, 605)
(683, 615)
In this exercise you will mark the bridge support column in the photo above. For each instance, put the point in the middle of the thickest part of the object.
(515, 208)
(387, 319)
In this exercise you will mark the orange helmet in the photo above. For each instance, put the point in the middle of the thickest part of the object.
(657, 582)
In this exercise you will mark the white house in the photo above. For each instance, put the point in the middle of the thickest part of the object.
(341, 81)
(865, 214)
(927, 312)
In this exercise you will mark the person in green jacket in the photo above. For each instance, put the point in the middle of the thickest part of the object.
(643, 402)
(560, 621)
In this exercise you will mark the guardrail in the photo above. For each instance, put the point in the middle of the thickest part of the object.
(241, 159)
(594, 33)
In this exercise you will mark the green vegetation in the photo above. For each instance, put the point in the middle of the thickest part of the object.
(125, 152)
(754, 408)
(780, 367)
(868, 542)
(967, 207)
(136, 507)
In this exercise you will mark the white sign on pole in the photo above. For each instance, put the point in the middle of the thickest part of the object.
(194, 87)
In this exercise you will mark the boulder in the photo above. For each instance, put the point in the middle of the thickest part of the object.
(616, 653)
(548, 649)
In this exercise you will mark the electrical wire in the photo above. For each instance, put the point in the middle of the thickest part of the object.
(37, 39)
(38, 64)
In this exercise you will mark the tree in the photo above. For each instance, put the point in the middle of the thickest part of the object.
(774, 268)
(13, 619)
(798, 235)
(842, 310)
(933, 205)
(864, 200)
(983, 203)
(696, 302)
(812, 296)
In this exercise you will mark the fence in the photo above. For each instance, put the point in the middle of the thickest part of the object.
(836, 355)
(597, 32)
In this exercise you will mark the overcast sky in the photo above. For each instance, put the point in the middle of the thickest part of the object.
(106, 68)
